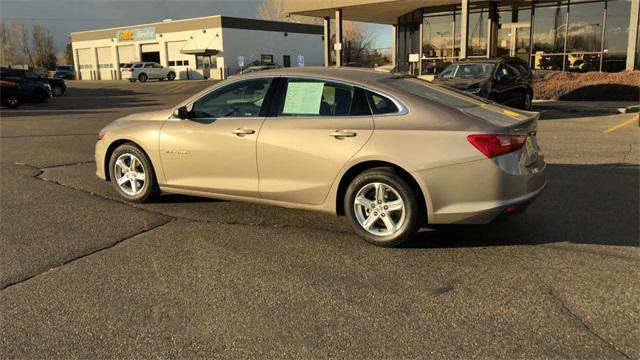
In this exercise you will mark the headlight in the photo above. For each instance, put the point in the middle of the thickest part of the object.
(47, 86)
(474, 90)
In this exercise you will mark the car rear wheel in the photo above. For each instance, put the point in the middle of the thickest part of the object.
(132, 80)
(171, 76)
(13, 101)
(143, 77)
(382, 207)
(131, 174)
(56, 90)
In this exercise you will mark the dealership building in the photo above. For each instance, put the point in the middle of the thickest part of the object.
(208, 47)
(570, 35)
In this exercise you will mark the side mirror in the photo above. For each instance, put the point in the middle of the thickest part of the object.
(181, 113)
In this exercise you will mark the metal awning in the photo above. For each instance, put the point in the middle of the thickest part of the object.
(200, 51)
(193, 48)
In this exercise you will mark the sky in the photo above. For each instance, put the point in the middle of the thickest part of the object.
(62, 17)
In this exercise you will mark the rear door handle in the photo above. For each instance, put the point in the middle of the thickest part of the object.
(340, 134)
(243, 132)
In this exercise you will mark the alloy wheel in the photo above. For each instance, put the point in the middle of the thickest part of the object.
(379, 209)
(57, 91)
(12, 101)
(130, 174)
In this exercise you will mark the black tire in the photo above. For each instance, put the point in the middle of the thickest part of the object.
(12, 101)
(57, 91)
(132, 80)
(143, 77)
(171, 76)
(149, 189)
(390, 178)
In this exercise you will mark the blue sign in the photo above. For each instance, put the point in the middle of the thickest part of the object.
(240, 61)
(300, 60)
(136, 34)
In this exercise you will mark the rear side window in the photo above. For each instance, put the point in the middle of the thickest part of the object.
(310, 97)
(381, 105)
(138, 66)
(432, 92)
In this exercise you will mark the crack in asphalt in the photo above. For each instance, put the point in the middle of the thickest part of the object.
(626, 155)
(575, 316)
(139, 207)
(86, 254)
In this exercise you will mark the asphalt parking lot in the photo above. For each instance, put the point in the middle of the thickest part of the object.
(84, 275)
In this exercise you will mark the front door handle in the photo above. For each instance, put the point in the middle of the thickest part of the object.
(341, 134)
(243, 132)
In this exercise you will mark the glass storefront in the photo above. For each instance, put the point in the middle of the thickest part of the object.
(575, 35)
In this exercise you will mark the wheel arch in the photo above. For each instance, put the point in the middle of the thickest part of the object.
(358, 168)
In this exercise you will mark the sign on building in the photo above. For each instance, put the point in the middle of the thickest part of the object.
(143, 34)
(300, 60)
(241, 61)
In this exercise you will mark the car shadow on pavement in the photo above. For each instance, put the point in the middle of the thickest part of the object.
(582, 204)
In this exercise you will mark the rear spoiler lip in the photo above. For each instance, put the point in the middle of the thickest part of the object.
(527, 126)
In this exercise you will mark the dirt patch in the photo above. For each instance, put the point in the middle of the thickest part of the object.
(595, 86)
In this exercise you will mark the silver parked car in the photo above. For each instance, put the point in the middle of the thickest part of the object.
(390, 153)
(144, 71)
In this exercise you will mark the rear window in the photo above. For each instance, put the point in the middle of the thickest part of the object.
(433, 92)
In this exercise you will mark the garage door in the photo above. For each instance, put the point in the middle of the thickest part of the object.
(180, 62)
(105, 63)
(126, 54)
(85, 64)
(150, 48)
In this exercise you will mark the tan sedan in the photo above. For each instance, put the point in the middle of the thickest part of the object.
(390, 153)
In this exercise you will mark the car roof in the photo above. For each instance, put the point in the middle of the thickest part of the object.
(355, 75)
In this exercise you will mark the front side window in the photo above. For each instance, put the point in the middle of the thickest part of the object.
(468, 71)
(240, 99)
(308, 97)
(157, 66)
(148, 65)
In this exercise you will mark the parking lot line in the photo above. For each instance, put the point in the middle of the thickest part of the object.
(621, 125)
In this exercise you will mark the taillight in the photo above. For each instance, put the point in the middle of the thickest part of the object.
(496, 145)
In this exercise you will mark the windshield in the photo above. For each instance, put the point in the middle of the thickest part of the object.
(467, 71)
(439, 94)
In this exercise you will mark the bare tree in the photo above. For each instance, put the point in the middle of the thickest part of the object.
(7, 46)
(43, 47)
(23, 47)
(357, 41)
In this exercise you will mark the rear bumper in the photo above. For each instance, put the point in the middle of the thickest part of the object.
(477, 192)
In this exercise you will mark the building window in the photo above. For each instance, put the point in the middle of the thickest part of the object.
(441, 40)
(266, 59)
(548, 36)
(478, 32)
(199, 62)
(172, 63)
(616, 36)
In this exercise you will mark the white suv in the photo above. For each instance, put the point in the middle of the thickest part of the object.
(144, 71)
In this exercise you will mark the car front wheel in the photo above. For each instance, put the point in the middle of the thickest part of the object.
(132, 80)
(171, 76)
(382, 207)
(143, 77)
(13, 101)
(528, 101)
(56, 90)
(131, 174)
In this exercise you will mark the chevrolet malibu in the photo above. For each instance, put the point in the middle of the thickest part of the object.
(391, 153)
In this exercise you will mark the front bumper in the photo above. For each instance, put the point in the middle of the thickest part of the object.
(100, 153)
(479, 191)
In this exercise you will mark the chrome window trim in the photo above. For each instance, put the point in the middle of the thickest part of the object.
(402, 109)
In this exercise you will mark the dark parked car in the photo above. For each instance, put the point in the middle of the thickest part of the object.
(58, 86)
(10, 94)
(30, 90)
(506, 81)
(64, 72)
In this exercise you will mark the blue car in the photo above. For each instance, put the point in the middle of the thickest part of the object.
(65, 72)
